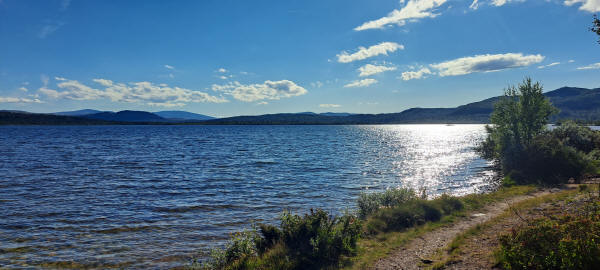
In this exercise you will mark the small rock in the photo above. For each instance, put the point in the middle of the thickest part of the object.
(426, 261)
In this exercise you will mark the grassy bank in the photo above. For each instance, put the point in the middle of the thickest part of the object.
(317, 240)
(554, 231)
(379, 245)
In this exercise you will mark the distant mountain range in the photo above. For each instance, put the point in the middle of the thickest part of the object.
(138, 116)
(574, 103)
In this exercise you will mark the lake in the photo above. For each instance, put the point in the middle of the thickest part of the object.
(154, 196)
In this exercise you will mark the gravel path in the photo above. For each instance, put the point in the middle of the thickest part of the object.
(418, 252)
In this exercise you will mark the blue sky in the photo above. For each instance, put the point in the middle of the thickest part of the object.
(226, 58)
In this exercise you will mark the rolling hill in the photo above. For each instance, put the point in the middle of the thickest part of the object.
(183, 115)
(573, 103)
(126, 116)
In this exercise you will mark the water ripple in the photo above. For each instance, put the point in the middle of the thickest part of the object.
(140, 196)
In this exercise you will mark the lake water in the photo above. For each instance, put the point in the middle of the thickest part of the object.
(154, 196)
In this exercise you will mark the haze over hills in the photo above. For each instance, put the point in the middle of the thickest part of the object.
(183, 115)
(78, 112)
(573, 103)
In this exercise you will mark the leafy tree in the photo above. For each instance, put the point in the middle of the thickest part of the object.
(517, 119)
(596, 26)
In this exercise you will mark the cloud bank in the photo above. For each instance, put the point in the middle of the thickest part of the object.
(485, 63)
(136, 92)
(586, 5)
(19, 100)
(269, 90)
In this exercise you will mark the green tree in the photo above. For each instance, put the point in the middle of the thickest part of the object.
(518, 117)
(596, 26)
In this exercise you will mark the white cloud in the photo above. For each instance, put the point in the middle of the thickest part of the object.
(330, 105)
(410, 75)
(105, 82)
(361, 83)
(223, 77)
(414, 9)
(549, 65)
(592, 66)
(137, 92)
(262, 103)
(485, 63)
(269, 90)
(169, 67)
(571, 61)
(368, 70)
(60, 79)
(19, 100)
(364, 53)
(586, 5)
(499, 3)
(221, 70)
(474, 5)
(23, 88)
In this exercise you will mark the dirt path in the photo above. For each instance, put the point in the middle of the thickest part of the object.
(420, 250)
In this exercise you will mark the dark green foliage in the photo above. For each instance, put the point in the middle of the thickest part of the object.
(526, 152)
(577, 136)
(311, 241)
(559, 242)
(448, 204)
(518, 117)
(548, 161)
(369, 203)
(596, 26)
(412, 213)
(270, 236)
(318, 239)
(240, 247)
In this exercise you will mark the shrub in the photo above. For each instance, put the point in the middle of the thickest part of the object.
(270, 236)
(406, 215)
(448, 204)
(240, 247)
(577, 136)
(369, 203)
(569, 242)
(318, 239)
(548, 161)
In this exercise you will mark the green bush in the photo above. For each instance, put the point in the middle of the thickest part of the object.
(318, 239)
(311, 241)
(409, 214)
(241, 246)
(270, 237)
(569, 242)
(577, 136)
(369, 203)
(448, 204)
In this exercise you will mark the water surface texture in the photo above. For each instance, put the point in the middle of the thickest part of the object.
(136, 196)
